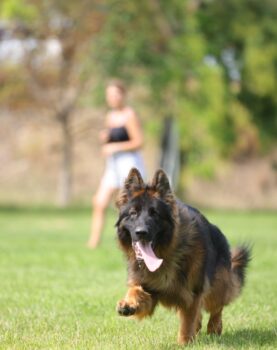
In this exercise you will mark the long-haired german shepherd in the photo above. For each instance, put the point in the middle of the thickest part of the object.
(175, 257)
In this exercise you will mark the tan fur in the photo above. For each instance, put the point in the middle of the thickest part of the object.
(225, 288)
(139, 300)
(189, 321)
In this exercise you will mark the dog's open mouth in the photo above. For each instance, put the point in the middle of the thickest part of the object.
(145, 252)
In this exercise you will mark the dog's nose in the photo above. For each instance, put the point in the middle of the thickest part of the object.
(141, 231)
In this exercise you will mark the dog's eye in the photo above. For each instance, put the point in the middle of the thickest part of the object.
(152, 211)
(133, 212)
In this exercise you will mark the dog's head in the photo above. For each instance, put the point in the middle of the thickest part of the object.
(146, 210)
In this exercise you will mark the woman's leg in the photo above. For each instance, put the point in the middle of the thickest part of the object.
(100, 203)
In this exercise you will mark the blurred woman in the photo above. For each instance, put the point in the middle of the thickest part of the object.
(121, 140)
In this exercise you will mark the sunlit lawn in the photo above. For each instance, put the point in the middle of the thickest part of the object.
(56, 294)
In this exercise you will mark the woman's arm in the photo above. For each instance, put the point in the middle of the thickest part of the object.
(135, 137)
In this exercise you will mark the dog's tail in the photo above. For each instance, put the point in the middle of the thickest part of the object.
(240, 258)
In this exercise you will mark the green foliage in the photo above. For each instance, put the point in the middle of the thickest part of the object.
(56, 294)
(17, 9)
(249, 27)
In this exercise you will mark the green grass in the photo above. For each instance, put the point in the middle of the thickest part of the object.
(56, 294)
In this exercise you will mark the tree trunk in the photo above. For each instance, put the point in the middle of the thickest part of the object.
(65, 181)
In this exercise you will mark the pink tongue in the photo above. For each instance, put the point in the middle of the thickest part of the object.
(146, 253)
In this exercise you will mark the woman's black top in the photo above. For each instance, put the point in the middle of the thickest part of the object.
(119, 134)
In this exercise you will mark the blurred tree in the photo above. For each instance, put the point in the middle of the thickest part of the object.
(246, 31)
(160, 44)
(55, 83)
(211, 64)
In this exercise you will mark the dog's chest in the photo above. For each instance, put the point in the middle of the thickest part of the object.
(170, 290)
(163, 280)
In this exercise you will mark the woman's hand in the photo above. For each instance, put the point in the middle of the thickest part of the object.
(104, 135)
(109, 149)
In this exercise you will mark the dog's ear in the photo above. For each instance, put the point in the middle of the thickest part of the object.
(132, 184)
(160, 184)
(134, 180)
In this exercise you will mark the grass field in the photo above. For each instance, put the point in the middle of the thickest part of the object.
(56, 294)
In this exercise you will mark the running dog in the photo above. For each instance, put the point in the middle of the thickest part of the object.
(175, 257)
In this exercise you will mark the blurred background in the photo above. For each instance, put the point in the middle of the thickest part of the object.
(210, 65)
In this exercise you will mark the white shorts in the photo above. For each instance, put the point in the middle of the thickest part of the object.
(118, 166)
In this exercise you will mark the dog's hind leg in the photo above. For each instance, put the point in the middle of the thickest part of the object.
(137, 303)
(190, 320)
(215, 322)
(199, 322)
(213, 304)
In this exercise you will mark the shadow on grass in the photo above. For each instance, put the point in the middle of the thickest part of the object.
(243, 338)
(246, 337)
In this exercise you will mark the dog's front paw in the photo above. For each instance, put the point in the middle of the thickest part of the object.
(126, 309)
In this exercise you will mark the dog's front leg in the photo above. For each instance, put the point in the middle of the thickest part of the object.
(137, 303)
(189, 318)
